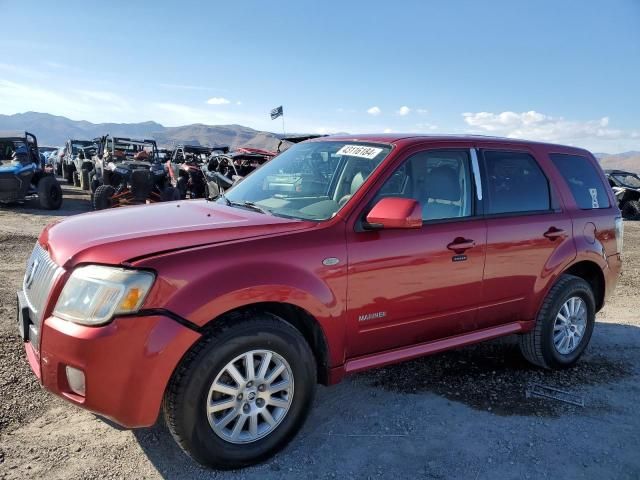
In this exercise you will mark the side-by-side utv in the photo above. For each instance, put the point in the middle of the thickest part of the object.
(23, 173)
(128, 172)
(185, 169)
(224, 169)
(76, 165)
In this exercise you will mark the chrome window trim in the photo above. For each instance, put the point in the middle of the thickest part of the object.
(475, 166)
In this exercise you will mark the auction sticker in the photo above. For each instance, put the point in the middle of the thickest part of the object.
(363, 151)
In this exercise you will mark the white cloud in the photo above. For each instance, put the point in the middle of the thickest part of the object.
(404, 111)
(218, 101)
(534, 125)
(110, 99)
(238, 102)
(387, 130)
(422, 111)
(375, 111)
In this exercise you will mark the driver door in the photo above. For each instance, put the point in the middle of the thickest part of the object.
(417, 285)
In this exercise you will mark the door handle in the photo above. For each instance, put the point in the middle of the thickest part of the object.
(554, 233)
(459, 245)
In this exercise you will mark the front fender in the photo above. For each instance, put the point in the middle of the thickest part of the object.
(201, 284)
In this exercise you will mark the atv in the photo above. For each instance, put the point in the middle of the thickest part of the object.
(24, 174)
(76, 165)
(626, 187)
(224, 169)
(128, 172)
(185, 169)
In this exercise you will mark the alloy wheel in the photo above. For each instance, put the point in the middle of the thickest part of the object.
(570, 325)
(250, 396)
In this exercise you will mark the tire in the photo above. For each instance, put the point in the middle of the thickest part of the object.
(85, 182)
(102, 197)
(188, 393)
(631, 210)
(181, 186)
(76, 178)
(538, 345)
(49, 193)
(59, 169)
(69, 174)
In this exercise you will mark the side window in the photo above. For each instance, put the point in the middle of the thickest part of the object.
(584, 181)
(440, 180)
(515, 183)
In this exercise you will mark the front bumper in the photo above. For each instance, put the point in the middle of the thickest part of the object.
(127, 364)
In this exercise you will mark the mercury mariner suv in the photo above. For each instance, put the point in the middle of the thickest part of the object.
(339, 255)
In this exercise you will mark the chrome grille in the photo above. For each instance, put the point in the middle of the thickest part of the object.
(41, 274)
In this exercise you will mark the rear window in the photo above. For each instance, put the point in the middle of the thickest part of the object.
(515, 183)
(583, 179)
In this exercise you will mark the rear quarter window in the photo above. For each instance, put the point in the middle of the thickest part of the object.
(583, 180)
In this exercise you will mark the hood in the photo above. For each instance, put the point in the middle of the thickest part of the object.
(118, 235)
(15, 167)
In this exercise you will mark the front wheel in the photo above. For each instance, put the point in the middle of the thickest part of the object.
(84, 179)
(103, 197)
(49, 193)
(563, 327)
(242, 392)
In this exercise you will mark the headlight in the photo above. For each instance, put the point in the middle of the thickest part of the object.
(95, 293)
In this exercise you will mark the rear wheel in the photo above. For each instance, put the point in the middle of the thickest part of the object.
(631, 209)
(563, 327)
(103, 197)
(85, 182)
(242, 393)
(76, 178)
(49, 193)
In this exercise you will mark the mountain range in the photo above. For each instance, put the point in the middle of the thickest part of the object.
(55, 130)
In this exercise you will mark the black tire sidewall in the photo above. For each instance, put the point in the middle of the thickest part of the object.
(102, 197)
(202, 443)
(575, 288)
(46, 187)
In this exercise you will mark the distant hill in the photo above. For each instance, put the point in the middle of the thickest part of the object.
(623, 161)
(55, 130)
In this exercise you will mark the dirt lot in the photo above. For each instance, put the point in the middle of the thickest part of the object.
(463, 414)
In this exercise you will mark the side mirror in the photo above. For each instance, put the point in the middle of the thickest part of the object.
(395, 212)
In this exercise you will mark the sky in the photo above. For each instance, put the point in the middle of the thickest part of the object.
(562, 71)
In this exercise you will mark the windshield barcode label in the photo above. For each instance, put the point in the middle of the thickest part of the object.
(359, 151)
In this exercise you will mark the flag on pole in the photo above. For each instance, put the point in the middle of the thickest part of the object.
(277, 112)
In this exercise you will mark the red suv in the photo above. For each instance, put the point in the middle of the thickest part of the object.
(339, 255)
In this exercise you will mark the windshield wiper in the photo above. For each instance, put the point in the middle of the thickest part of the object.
(247, 204)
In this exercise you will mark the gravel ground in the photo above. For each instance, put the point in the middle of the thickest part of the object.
(462, 414)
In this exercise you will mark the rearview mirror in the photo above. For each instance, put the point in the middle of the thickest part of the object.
(395, 212)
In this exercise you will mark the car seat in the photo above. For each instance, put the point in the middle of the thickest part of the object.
(443, 194)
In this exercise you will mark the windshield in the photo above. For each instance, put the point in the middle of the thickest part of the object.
(76, 146)
(630, 180)
(123, 148)
(310, 180)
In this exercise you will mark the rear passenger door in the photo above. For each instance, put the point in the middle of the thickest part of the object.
(528, 234)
